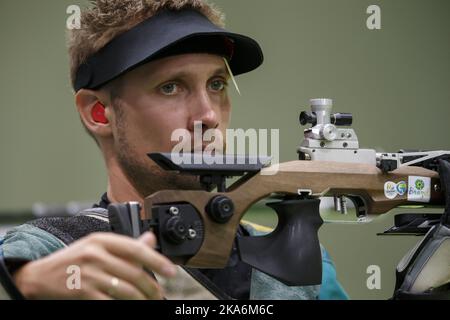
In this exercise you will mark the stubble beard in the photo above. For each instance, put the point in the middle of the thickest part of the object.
(146, 176)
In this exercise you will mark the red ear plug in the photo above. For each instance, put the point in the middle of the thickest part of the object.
(98, 113)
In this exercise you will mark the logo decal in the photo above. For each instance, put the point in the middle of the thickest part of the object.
(420, 184)
(419, 189)
(401, 188)
(390, 190)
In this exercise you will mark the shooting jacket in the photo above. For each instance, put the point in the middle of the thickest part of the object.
(238, 280)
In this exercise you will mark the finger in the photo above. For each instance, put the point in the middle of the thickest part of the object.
(149, 239)
(138, 252)
(133, 274)
(97, 295)
(117, 288)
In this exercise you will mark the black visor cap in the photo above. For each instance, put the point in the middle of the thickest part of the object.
(168, 32)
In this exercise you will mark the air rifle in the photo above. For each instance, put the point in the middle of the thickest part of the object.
(197, 228)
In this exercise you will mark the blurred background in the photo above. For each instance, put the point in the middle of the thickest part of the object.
(395, 81)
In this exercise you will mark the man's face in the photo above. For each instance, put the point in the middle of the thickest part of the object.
(158, 98)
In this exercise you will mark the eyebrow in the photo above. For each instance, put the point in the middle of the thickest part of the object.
(221, 71)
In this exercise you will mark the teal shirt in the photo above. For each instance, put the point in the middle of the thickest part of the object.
(331, 289)
(29, 243)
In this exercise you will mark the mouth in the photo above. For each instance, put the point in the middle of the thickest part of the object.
(209, 147)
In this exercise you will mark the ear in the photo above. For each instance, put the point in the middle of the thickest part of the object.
(87, 102)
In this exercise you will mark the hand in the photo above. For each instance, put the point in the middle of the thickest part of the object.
(111, 267)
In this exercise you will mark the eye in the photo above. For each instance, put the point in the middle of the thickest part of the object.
(218, 85)
(170, 89)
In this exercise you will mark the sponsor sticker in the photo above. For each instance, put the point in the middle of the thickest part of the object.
(402, 187)
(419, 189)
(390, 190)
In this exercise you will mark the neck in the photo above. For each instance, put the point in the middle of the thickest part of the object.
(119, 187)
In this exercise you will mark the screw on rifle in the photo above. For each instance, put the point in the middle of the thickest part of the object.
(437, 188)
(220, 209)
(174, 211)
(192, 234)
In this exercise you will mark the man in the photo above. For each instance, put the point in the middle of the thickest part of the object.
(140, 70)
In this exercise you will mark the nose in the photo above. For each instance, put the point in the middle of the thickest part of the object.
(204, 110)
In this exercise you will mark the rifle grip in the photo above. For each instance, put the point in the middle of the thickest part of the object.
(119, 219)
(291, 253)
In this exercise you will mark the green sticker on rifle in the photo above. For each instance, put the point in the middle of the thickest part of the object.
(419, 189)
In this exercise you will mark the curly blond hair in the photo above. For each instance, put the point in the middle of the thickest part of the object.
(107, 19)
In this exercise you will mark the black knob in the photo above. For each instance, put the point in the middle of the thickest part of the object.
(308, 118)
(220, 209)
(342, 119)
(175, 230)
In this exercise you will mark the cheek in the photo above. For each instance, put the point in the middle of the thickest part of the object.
(158, 130)
(152, 126)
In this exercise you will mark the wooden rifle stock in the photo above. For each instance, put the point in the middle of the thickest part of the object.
(319, 177)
